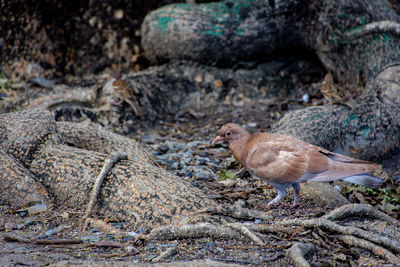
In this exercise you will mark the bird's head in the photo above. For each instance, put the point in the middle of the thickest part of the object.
(230, 132)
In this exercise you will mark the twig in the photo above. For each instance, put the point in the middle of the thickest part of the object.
(109, 163)
(107, 244)
(13, 238)
(113, 255)
(237, 213)
(374, 27)
(376, 250)
(319, 239)
(246, 232)
(171, 232)
(166, 254)
(298, 252)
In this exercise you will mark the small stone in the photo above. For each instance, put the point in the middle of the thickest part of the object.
(130, 249)
(198, 78)
(163, 148)
(151, 248)
(172, 164)
(210, 245)
(340, 257)
(148, 139)
(10, 226)
(218, 83)
(65, 215)
(92, 21)
(38, 208)
(133, 233)
(118, 14)
(50, 232)
(305, 98)
(34, 70)
(202, 250)
(128, 238)
(194, 184)
(42, 82)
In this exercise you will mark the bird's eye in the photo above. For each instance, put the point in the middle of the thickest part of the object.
(228, 133)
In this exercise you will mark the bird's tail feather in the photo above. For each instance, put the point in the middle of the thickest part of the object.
(365, 179)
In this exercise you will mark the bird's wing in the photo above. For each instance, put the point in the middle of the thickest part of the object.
(340, 167)
(284, 160)
(346, 159)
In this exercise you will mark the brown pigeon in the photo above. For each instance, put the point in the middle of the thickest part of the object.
(284, 161)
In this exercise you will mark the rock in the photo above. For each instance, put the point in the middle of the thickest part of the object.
(324, 195)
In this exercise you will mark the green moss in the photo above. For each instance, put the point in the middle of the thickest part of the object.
(163, 22)
(316, 116)
(223, 175)
(350, 118)
(365, 131)
(385, 37)
(217, 31)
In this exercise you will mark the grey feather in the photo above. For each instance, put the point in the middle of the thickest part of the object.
(367, 180)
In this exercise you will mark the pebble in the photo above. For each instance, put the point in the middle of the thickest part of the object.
(56, 230)
(151, 248)
(10, 226)
(91, 238)
(194, 184)
(172, 164)
(32, 210)
(163, 148)
(128, 238)
(210, 245)
(133, 233)
(130, 249)
(150, 139)
(184, 159)
(170, 245)
(306, 98)
(42, 82)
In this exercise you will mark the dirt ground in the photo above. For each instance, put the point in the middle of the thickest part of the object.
(182, 146)
(179, 143)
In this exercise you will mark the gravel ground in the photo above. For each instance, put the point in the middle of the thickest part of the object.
(182, 145)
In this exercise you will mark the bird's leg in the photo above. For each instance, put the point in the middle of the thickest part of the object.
(281, 193)
(296, 191)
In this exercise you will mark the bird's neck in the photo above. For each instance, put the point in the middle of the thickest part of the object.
(238, 148)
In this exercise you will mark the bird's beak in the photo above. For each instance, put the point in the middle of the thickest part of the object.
(217, 139)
